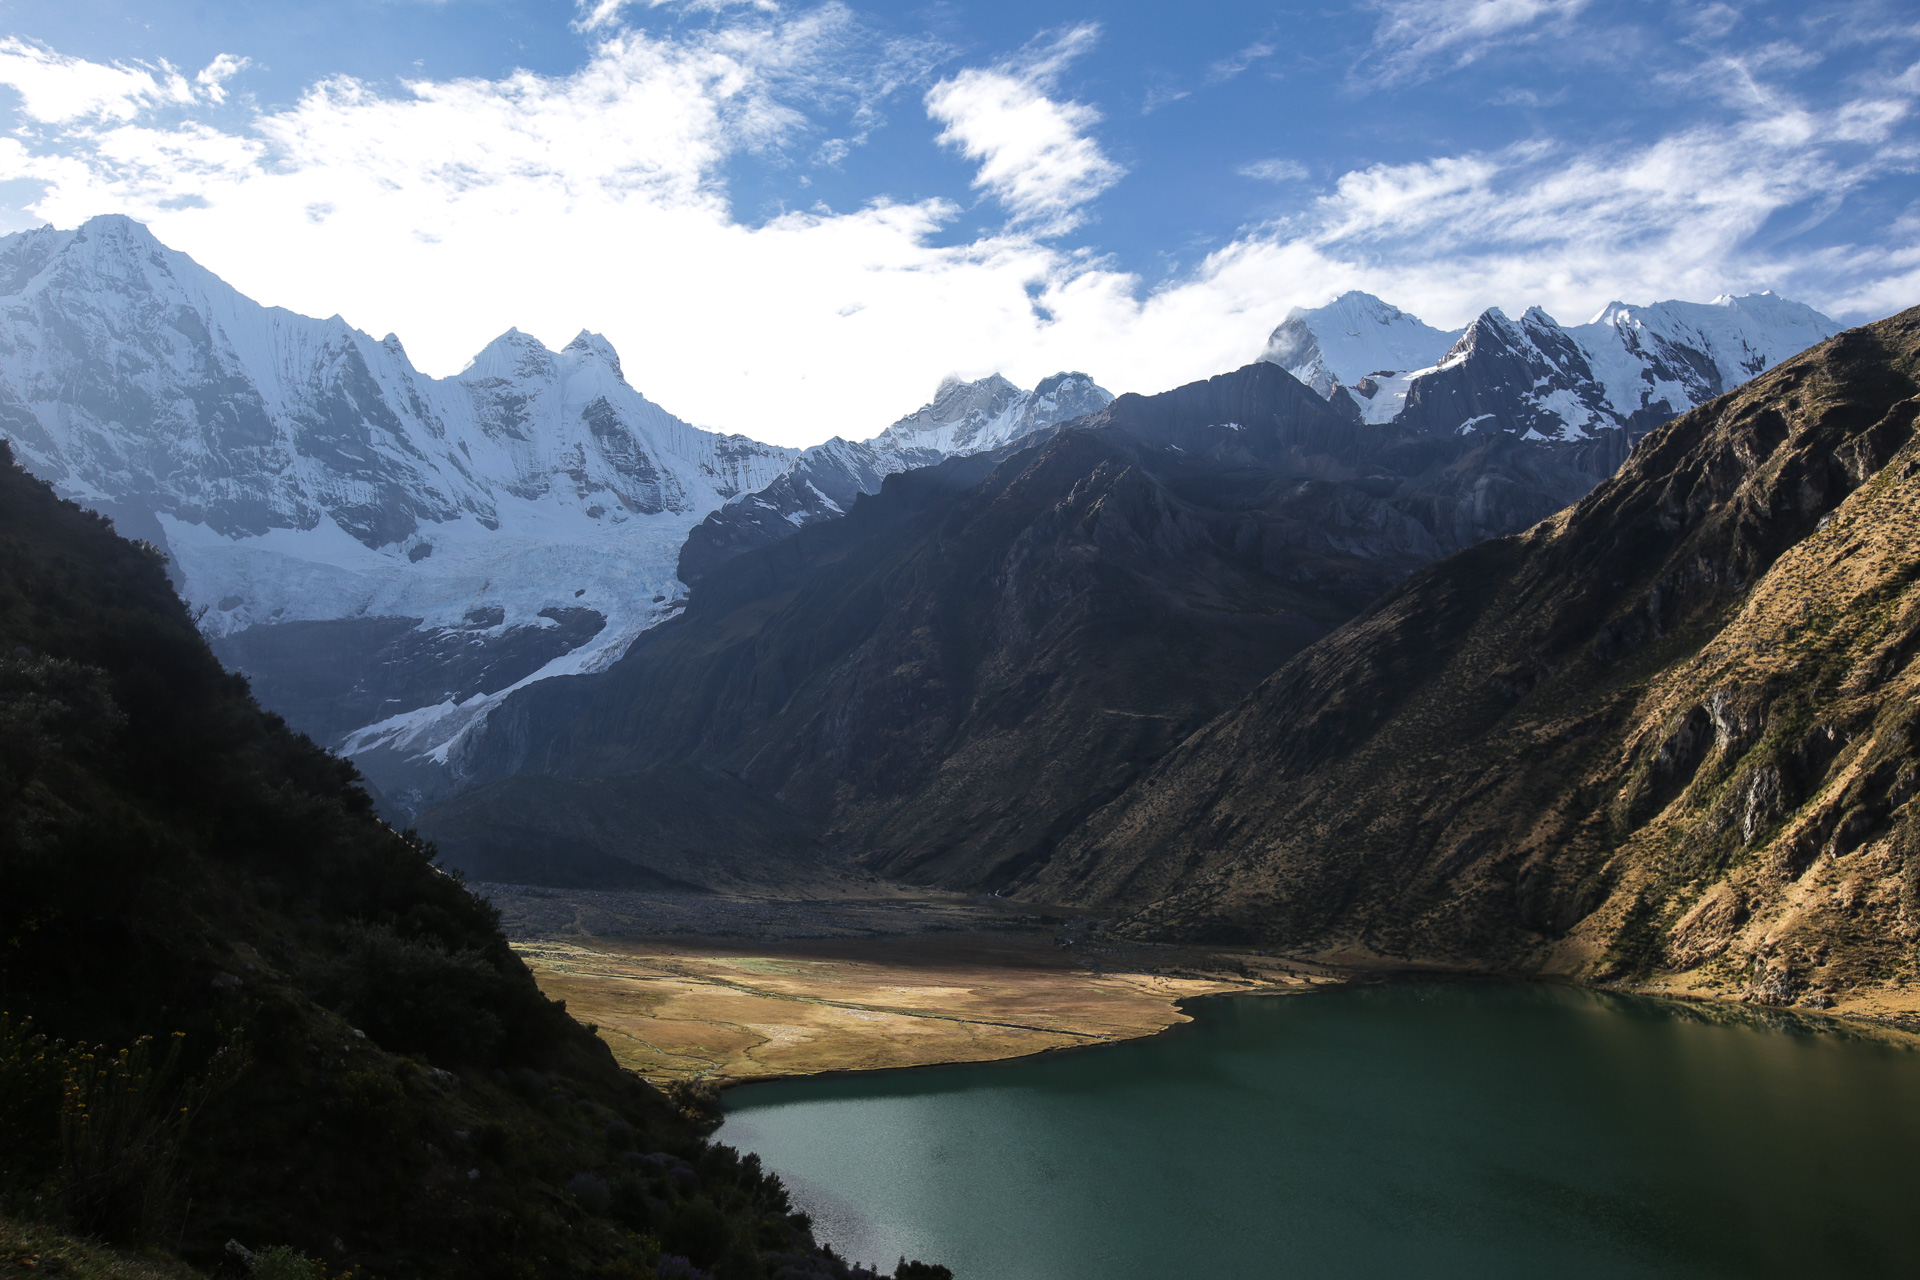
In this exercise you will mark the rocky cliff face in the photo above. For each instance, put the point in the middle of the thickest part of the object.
(951, 677)
(962, 418)
(1670, 730)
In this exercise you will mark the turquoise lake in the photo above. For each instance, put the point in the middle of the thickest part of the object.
(1429, 1130)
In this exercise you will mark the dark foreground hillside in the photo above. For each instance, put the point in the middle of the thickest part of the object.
(346, 1059)
(1675, 728)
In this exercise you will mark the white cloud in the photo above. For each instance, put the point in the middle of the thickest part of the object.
(601, 15)
(55, 89)
(214, 76)
(1415, 35)
(451, 210)
(1227, 68)
(1034, 153)
(1273, 170)
(1515, 96)
(1162, 95)
(1678, 217)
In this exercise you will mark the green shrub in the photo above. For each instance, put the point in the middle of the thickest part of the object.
(122, 1120)
(48, 707)
(367, 1100)
(697, 1102)
(630, 1204)
(918, 1270)
(696, 1230)
(282, 1262)
(416, 996)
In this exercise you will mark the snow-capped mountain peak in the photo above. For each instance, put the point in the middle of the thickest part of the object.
(1630, 367)
(589, 343)
(962, 418)
(1737, 336)
(967, 417)
(511, 355)
(1353, 337)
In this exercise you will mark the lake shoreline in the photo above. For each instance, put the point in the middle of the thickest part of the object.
(1777, 1018)
(728, 991)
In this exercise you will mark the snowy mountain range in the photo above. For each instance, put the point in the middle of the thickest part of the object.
(389, 555)
(297, 471)
(1628, 368)
(962, 418)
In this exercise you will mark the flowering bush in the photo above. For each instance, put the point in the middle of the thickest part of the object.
(109, 1124)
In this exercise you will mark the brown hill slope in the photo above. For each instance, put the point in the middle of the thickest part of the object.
(1674, 727)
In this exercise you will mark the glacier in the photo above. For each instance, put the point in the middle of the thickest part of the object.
(297, 470)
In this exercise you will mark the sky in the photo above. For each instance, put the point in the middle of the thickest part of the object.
(793, 220)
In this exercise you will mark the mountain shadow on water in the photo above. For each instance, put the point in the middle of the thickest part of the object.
(346, 1057)
(944, 683)
(1670, 730)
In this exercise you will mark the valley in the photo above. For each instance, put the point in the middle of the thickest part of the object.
(1210, 665)
(742, 640)
(1043, 720)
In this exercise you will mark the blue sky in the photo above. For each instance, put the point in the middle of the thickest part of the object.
(794, 219)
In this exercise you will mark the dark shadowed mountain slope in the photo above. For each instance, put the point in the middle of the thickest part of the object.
(823, 482)
(365, 1071)
(1672, 728)
(949, 679)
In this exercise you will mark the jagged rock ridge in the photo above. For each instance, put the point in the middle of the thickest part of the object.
(387, 554)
